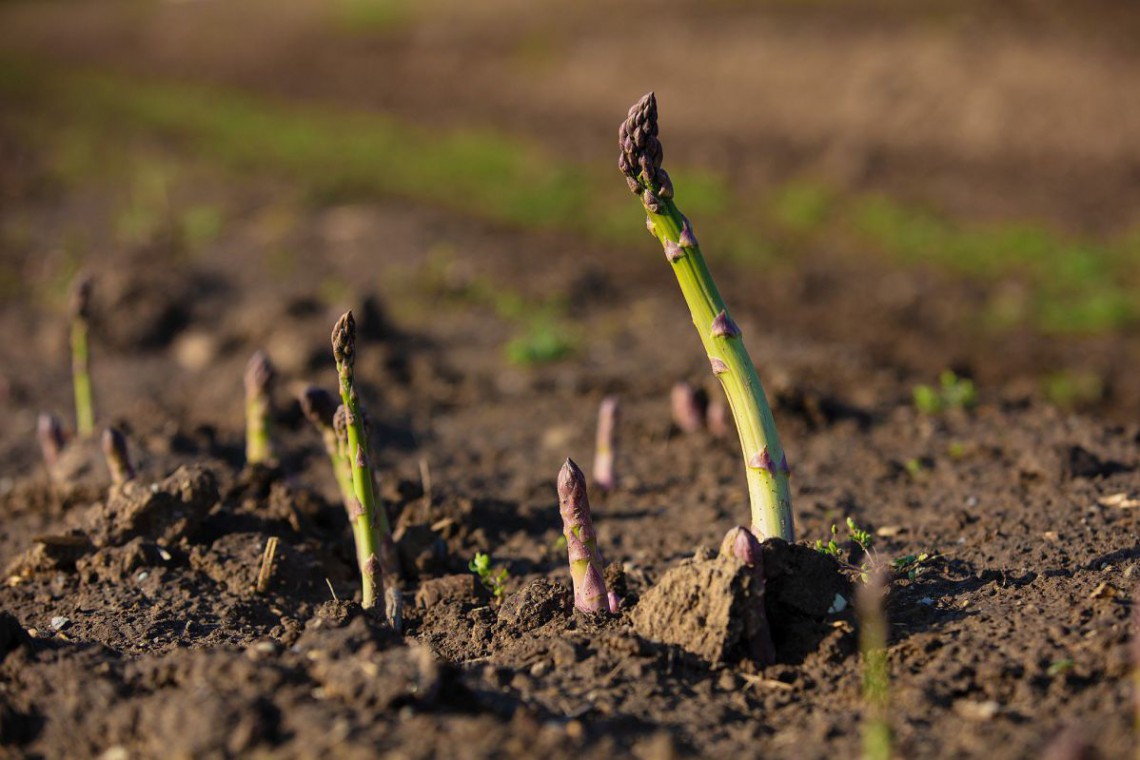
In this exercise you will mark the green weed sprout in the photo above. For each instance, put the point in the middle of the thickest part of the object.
(118, 458)
(363, 514)
(766, 464)
(259, 378)
(80, 308)
(953, 392)
(49, 433)
(605, 443)
(909, 565)
(495, 582)
(586, 566)
(320, 408)
(876, 672)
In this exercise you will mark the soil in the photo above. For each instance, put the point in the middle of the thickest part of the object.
(131, 625)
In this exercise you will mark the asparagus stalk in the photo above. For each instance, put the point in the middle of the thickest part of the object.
(80, 358)
(604, 476)
(320, 407)
(117, 456)
(364, 509)
(259, 378)
(766, 465)
(586, 565)
(739, 542)
(49, 432)
(876, 674)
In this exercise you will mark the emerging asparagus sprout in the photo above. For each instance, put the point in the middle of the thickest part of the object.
(686, 408)
(604, 476)
(320, 407)
(259, 379)
(586, 566)
(80, 308)
(49, 432)
(740, 543)
(766, 465)
(117, 456)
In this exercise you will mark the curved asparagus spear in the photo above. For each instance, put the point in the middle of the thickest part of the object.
(80, 359)
(259, 377)
(364, 508)
(581, 542)
(766, 465)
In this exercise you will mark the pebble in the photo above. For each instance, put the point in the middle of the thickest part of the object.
(59, 622)
(540, 668)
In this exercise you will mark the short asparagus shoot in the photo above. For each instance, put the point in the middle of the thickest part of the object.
(604, 475)
(259, 378)
(118, 457)
(740, 543)
(766, 465)
(876, 674)
(320, 408)
(686, 409)
(80, 308)
(586, 567)
(49, 433)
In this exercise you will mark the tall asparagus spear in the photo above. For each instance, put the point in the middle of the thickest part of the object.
(766, 465)
(581, 542)
(80, 358)
(118, 457)
(259, 377)
(364, 509)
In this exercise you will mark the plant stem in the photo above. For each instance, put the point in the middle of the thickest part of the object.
(586, 567)
(766, 465)
(876, 673)
(364, 509)
(259, 377)
(80, 358)
(321, 408)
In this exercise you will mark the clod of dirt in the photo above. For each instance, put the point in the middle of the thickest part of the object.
(51, 553)
(451, 588)
(165, 512)
(81, 465)
(423, 552)
(802, 585)
(534, 605)
(12, 634)
(700, 607)
(116, 563)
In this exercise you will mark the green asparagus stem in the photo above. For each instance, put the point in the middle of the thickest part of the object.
(49, 432)
(259, 377)
(766, 465)
(320, 407)
(117, 456)
(876, 673)
(364, 510)
(80, 358)
(586, 567)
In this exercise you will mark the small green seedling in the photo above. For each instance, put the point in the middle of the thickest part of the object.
(495, 582)
(80, 357)
(910, 564)
(953, 392)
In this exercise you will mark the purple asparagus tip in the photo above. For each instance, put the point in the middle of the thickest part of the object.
(344, 339)
(259, 374)
(724, 327)
(319, 406)
(80, 298)
(641, 154)
(117, 455)
(687, 415)
(581, 540)
(49, 432)
(739, 542)
(614, 602)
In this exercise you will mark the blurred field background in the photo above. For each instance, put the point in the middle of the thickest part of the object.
(939, 184)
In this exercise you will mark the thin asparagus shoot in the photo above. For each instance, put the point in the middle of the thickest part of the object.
(740, 543)
(766, 465)
(586, 567)
(685, 407)
(1134, 650)
(49, 433)
(80, 308)
(118, 457)
(259, 378)
(604, 476)
(876, 674)
(364, 510)
(320, 408)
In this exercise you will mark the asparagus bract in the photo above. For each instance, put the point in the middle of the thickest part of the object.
(80, 358)
(586, 567)
(604, 476)
(765, 463)
(117, 456)
(364, 510)
(259, 377)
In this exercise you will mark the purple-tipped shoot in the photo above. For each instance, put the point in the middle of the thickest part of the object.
(740, 543)
(118, 457)
(80, 309)
(686, 408)
(640, 161)
(320, 407)
(259, 379)
(604, 475)
(586, 567)
(49, 432)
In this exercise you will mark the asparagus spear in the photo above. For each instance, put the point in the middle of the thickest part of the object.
(876, 671)
(604, 476)
(117, 456)
(364, 509)
(80, 359)
(687, 414)
(581, 542)
(766, 465)
(49, 432)
(320, 407)
(739, 542)
(259, 377)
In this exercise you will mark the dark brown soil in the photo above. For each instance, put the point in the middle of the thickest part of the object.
(129, 621)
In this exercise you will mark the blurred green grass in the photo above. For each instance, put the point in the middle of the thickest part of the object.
(1071, 285)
